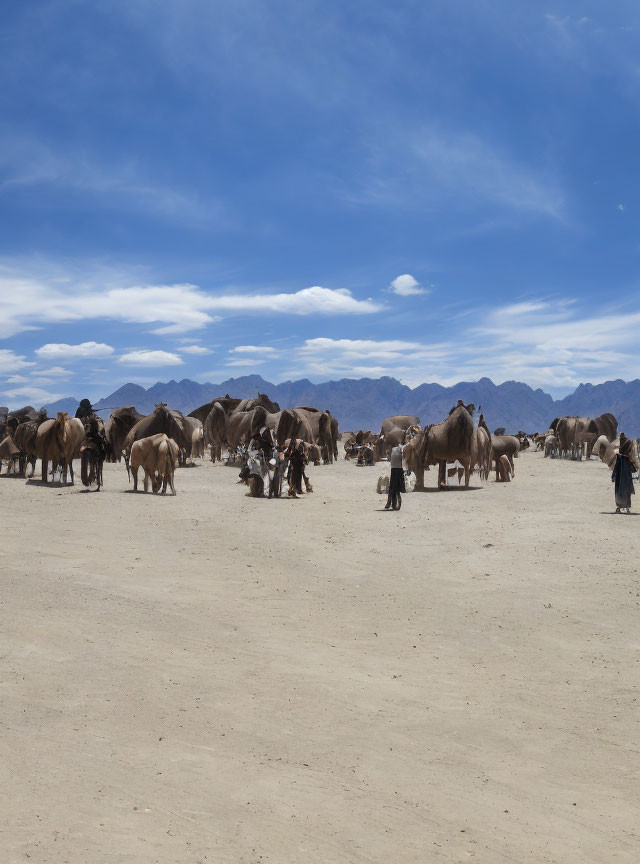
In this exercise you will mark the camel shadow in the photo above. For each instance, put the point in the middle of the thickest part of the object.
(613, 513)
(430, 489)
(150, 494)
(12, 477)
(52, 484)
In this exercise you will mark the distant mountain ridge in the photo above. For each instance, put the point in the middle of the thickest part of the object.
(365, 402)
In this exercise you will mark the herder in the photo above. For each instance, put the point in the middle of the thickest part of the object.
(396, 484)
(626, 463)
(297, 460)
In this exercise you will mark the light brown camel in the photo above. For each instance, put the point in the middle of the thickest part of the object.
(58, 441)
(444, 442)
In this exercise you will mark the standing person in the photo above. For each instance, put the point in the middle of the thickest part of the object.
(84, 409)
(296, 457)
(626, 463)
(396, 484)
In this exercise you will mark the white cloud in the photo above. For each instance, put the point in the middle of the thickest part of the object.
(31, 297)
(62, 351)
(35, 395)
(12, 362)
(406, 285)
(150, 358)
(195, 349)
(249, 362)
(253, 349)
(57, 371)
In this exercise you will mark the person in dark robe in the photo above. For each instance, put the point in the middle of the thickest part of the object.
(626, 463)
(84, 409)
(297, 460)
(396, 483)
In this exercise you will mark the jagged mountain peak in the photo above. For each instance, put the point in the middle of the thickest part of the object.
(365, 402)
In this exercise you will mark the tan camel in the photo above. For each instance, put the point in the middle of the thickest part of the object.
(445, 442)
(58, 441)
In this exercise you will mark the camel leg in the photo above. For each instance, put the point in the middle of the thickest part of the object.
(134, 471)
(467, 474)
(442, 474)
(45, 470)
(146, 480)
(70, 472)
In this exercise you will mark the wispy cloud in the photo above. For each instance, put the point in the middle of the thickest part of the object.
(545, 343)
(150, 358)
(28, 301)
(432, 167)
(28, 163)
(253, 349)
(33, 394)
(195, 349)
(62, 351)
(11, 362)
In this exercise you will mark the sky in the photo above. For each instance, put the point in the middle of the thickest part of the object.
(434, 190)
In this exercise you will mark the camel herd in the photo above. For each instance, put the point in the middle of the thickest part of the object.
(158, 442)
(459, 442)
(471, 448)
(576, 437)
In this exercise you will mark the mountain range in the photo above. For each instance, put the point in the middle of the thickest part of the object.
(363, 403)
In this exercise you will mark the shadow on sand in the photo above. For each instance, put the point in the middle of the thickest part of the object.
(52, 484)
(613, 513)
(448, 489)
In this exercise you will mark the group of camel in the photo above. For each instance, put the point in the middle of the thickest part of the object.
(228, 423)
(456, 440)
(222, 423)
(580, 438)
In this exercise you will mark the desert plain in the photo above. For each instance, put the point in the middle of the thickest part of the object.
(216, 678)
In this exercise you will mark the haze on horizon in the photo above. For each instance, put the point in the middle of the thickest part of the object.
(434, 192)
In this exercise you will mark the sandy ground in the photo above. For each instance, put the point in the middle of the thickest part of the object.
(213, 678)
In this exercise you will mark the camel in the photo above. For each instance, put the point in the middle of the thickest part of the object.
(444, 442)
(504, 445)
(230, 406)
(157, 455)
(504, 469)
(606, 450)
(10, 453)
(58, 441)
(25, 440)
(197, 443)
(451, 441)
(550, 444)
(118, 426)
(317, 428)
(481, 451)
(194, 433)
(574, 434)
(396, 430)
(215, 430)
(243, 425)
(163, 419)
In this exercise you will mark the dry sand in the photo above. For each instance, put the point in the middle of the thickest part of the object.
(213, 678)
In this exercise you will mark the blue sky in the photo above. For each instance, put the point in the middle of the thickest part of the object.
(431, 190)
